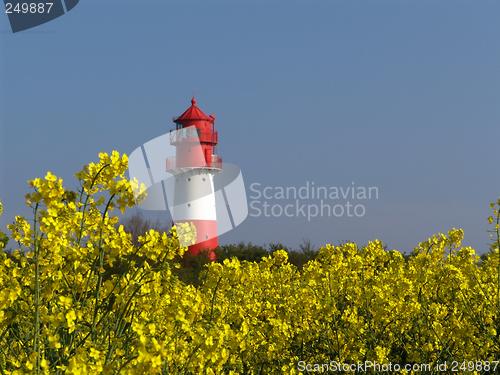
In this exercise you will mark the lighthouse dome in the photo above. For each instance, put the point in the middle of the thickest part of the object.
(193, 113)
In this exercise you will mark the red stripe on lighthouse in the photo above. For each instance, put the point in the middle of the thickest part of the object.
(206, 233)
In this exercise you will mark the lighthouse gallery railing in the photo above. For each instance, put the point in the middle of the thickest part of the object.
(203, 135)
(173, 163)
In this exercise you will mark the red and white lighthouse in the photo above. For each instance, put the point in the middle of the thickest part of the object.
(193, 167)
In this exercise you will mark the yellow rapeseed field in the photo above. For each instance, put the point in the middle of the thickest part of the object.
(76, 297)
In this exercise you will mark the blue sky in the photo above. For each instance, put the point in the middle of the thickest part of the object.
(402, 96)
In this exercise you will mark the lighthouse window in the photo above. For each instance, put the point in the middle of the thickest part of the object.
(189, 179)
(189, 204)
(206, 237)
(203, 179)
(191, 132)
(189, 150)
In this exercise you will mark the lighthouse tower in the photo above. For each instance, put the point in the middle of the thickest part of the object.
(193, 168)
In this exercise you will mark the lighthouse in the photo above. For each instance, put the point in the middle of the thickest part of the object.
(193, 168)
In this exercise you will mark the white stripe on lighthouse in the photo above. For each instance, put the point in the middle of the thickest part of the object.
(194, 197)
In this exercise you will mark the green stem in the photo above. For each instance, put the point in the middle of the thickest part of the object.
(98, 291)
(213, 299)
(498, 266)
(99, 273)
(36, 335)
(86, 202)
